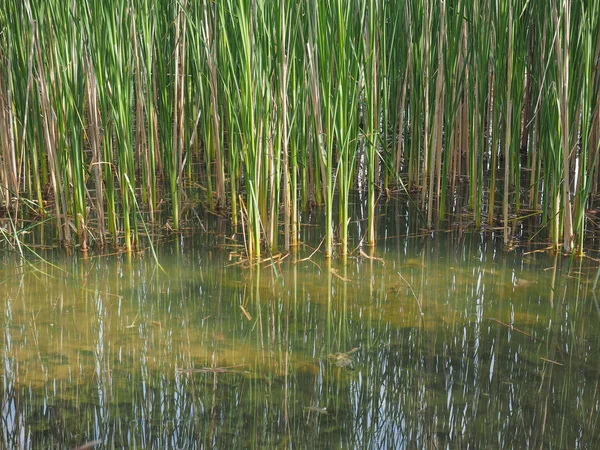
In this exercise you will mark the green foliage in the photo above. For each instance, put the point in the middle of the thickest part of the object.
(274, 105)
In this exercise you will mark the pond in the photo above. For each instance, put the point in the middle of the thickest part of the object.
(440, 340)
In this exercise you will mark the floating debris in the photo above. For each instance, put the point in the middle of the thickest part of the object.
(342, 359)
(316, 409)
(522, 282)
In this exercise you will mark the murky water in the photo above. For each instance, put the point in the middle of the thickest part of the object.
(446, 341)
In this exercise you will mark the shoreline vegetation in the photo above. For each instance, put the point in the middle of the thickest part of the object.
(107, 108)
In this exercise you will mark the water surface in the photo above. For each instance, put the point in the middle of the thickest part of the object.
(444, 341)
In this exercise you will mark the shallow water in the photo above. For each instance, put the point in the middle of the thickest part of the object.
(447, 341)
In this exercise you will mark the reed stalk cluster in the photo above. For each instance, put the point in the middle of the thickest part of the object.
(109, 107)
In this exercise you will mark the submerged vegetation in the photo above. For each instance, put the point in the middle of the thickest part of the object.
(448, 342)
(270, 107)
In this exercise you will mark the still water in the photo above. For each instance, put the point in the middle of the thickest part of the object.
(444, 341)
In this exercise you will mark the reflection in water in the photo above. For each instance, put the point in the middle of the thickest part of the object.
(447, 342)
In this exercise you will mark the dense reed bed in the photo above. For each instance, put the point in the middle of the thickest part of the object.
(108, 108)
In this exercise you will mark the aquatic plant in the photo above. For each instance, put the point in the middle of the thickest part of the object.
(109, 110)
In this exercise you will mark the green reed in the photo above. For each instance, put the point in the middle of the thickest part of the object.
(112, 109)
(347, 67)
